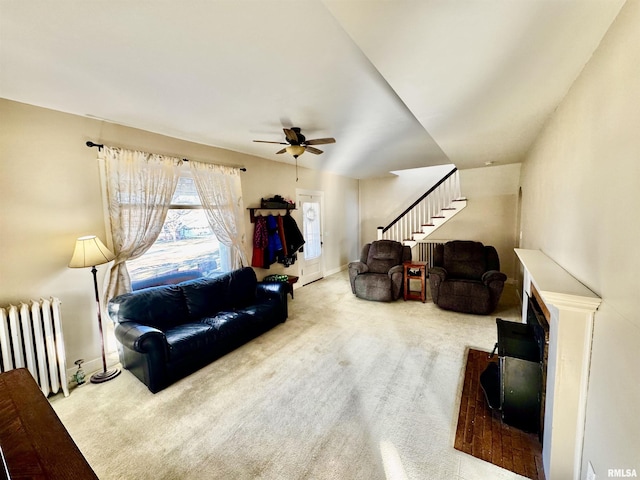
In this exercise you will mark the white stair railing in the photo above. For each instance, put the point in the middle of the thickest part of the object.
(434, 207)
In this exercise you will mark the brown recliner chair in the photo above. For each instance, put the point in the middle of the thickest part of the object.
(466, 277)
(378, 274)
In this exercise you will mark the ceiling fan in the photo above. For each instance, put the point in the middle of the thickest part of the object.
(297, 143)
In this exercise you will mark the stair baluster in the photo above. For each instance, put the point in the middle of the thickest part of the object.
(427, 213)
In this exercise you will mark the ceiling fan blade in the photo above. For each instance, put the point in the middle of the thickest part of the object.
(320, 141)
(313, 150)
(292, 137)
(267, 141)
(281, 151)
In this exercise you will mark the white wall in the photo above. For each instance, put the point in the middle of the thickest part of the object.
(50, 195)
(382, 199)
(490, 215)
(581, 195)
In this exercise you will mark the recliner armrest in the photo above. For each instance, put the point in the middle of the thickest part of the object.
(358, 267)
(493, 276)
(355, 269)
(396, 269)
(140, 338)
(438, 272)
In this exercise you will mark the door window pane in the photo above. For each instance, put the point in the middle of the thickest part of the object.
(311, 229)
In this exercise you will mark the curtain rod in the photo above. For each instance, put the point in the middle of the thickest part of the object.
(100, 146)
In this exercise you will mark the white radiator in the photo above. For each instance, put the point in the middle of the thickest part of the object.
(31, 337)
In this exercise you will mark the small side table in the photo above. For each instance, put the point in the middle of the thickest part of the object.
(416, 271)
(291, 280)
(288, 279)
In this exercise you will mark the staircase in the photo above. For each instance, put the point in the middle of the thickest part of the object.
(432, 210)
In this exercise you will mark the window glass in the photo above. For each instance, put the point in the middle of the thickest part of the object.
(185, 243)
(186, 193)
(311, 230)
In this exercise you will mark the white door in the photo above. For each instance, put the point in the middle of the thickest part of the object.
(311, 266)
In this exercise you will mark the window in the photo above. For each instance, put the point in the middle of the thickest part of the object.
(186, 241)
(311, 228)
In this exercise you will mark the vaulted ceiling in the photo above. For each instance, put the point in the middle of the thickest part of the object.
(398, 83)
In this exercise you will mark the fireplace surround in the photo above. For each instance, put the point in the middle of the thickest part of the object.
(570, 308)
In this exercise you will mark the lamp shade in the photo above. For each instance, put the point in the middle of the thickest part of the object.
(89, 252)
(295, 150)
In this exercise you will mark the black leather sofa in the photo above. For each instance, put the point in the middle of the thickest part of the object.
(168, 332)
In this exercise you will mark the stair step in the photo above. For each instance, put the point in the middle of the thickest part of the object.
(422, 213)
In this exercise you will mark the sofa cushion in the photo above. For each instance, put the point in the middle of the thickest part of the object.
(189, 339)
(261, 313)
(206, 296)
(159, 307)
(168, 279)
(230, 326)
(242, 287)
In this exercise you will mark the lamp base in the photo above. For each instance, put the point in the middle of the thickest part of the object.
(101, 377)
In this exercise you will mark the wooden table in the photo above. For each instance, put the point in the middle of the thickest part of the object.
(416, 271)
(35, 443)
(291, 280)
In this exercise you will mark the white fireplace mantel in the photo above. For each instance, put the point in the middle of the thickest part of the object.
(572, 307)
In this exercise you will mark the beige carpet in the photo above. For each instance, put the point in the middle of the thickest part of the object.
(345, 389)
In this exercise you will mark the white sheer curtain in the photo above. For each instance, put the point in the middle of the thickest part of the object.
(139, 187)
(221, 196)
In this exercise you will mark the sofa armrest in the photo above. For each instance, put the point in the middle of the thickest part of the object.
(493, 276)
(274, 291)
(141, 338)
(144, 353)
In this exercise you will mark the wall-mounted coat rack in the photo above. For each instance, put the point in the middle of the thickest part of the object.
(252, 210)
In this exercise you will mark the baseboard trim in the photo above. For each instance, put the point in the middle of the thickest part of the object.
(336, 270)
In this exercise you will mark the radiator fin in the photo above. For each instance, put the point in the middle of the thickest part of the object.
(31, 336)
(425, 252)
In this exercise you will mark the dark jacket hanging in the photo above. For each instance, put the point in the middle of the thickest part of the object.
(292, 234)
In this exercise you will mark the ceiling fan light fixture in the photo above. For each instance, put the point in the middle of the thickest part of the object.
(295, 150)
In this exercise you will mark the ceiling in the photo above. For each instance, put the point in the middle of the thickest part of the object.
(399, 84)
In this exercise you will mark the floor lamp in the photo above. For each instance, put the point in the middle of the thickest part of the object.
(89, 252)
